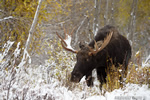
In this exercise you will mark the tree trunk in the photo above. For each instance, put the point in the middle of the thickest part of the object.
(132, 26)
(27, 45)
(96, 16)
(132, 22)
(106, 13)
(112, 13)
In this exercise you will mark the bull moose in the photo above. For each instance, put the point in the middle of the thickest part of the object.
(108, 47)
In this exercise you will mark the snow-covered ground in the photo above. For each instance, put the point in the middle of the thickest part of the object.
(54, 91)
(48, 82)
(33, 86)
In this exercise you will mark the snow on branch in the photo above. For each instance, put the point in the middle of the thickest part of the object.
(6, 18)
(5, 50)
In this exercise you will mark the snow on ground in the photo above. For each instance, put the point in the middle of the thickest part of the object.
(32, 85)
(130, 91)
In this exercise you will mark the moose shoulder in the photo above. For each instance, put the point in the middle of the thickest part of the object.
(107, 45)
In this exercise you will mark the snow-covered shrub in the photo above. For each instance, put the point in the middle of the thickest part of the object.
(140, 75)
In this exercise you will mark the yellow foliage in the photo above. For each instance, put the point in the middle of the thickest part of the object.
(17, 28)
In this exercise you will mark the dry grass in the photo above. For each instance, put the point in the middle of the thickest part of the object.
(136, 75)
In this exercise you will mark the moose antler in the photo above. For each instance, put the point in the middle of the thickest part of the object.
(99, 45)
(66, 43)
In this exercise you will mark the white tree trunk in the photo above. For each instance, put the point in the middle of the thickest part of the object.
(25, 53)
(96, 16)
(106, 21)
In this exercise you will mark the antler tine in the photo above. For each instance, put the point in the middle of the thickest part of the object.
(104, 44)
(74, 51)
(72, 31)
(68, 32)
(106, 41)
(96, 46)
(61, 38)
(66, 43)
(65, 33)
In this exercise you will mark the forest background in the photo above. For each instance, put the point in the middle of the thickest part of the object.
(130, 17)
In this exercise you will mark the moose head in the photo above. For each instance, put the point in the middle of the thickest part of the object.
(86, 56)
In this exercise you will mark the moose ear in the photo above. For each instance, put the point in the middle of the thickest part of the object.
(81, 45)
